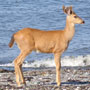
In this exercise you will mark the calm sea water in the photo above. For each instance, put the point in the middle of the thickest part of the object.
(44, 15)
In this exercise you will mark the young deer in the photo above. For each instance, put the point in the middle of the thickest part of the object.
(55, 42)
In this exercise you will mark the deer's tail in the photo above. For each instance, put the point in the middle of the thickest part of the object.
(11, 41)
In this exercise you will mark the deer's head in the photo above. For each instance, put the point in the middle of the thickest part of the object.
(72, 16)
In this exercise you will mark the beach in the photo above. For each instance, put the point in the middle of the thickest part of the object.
(72, 78)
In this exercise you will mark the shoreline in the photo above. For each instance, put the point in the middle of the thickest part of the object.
(44, 79)
(11, 69)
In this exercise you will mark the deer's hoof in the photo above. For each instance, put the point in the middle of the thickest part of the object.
(58, 83)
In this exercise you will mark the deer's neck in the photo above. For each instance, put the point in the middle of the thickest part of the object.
(69, 30)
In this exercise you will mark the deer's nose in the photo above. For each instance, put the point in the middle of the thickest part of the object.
(83, 22)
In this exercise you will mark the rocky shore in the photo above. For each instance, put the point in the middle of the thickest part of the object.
(44, 79)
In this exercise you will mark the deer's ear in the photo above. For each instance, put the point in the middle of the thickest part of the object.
(69, 11)
(70, 7)
(64, 9)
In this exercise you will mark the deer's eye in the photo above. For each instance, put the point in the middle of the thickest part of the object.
(75, 16)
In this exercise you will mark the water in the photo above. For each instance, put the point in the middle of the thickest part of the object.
(44, 15)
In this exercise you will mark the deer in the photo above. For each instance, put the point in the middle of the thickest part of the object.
(51, 41)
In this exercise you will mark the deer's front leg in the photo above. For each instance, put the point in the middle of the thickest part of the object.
(58, 66)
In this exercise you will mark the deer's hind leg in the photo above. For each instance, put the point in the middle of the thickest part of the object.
(18, 66)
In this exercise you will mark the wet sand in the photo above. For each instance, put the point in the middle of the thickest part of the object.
(44, 79)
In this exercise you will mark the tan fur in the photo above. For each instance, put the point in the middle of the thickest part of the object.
(55, 41)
